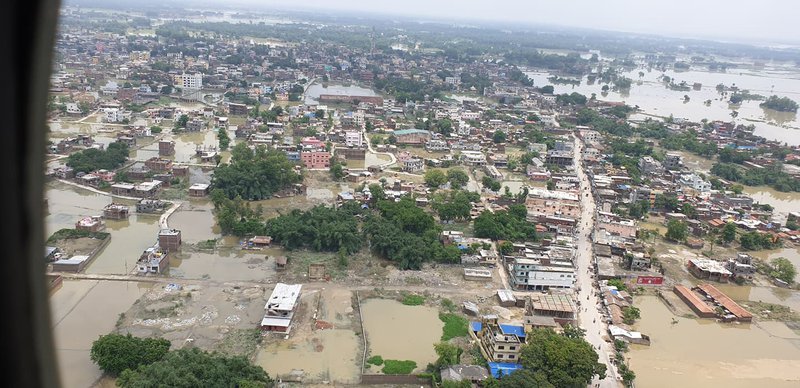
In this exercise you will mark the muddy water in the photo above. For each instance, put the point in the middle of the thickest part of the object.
(82, 311)
(195, 221)
(67, 204)
(775, 295)
(703, 353)
(325, 355)
(399, 332)
(225, 265)
(793, 254)
(782, 202)
(650, 94)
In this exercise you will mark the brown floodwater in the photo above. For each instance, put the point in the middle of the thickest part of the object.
(224, 265)
(793, 254)
(781, 201)
(196, 221)
(399, 332)
(775, 295)
(82, 310)
(704, 353)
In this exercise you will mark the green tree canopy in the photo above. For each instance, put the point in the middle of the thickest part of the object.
(114, 353)
(676, 230)
(254, 174)
(435, 178)
(783, 269)
(192, 368)
(561, 360)
(93, 159)
(457, 178)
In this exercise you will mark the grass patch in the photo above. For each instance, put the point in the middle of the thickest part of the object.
(454, 326)
(207, 244)
(65, 234)
(413, 300)
(375, 360)
(398, 367)
(448, 305)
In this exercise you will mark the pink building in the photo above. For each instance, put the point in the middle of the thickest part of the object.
(312, 142)
(316, 159)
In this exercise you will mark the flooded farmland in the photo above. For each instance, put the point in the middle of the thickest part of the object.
(399, 332)
(704, 353)
(82, 311)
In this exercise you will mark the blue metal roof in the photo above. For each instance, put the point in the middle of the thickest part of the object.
(476, 326)
(519, 331)
(499, 369)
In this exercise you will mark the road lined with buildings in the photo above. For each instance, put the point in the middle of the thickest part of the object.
(589, 316)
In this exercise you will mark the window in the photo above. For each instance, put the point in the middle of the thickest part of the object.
(501, 347)
(511, 356)
(499, 356)
(512, 348)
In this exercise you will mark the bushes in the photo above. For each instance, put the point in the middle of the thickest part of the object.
(93, 159)
(413, 300)
(398, 367)
(66, 234)
(454, 326)
(114, 353)
(375, 360)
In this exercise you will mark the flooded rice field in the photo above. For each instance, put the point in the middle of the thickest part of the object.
(704, 353)
(82, 311)
(332, 353)
(399, 332)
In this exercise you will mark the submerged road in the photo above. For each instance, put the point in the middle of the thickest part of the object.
(590, 317)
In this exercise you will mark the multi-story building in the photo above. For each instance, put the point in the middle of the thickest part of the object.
(532, 274)
(353, 139)
(280, 308)
(169, 239)
(189, 81)
(673, 161)
(648, 165)
(500, 343)
(315, 159)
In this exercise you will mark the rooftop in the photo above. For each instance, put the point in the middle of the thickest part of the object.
(555, 302)
(283, 297)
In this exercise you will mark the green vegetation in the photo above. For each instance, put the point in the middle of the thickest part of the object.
(505, 225)
(781, 104)
(114, 353)
(191, 367)
(457, 178)
(630, 314)
(66, 234)
(449, 354)
(397, 367)
(408, 90)
(155, 129)
(435, 178)
(224, 140)
(235, 216)
(93, 159)
(618, 283)
(454, 205)
(454, 326)
(491, 184)
(554, 360)
(375, 360)
(499, 137)
(783, 269)
(254, 174)
(755, 241)
(405, 234)
(677, 230)
(573, 98)
(728, 233)
(413, 300)
(772, 175)
(320, 228)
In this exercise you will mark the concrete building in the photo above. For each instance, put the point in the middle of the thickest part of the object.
(473, 158)
(648, 165)
(315, 159)
(412, 136)
(529, 274)
(673, 161)
(559, 158)
(166, 147)
(152, 260)
(709, 269)
(498, 342)
(741, 266)
(115, 211)
(90, 224)
(198, 190)
(169, 239)
(189, 81)
(280, 308)
(353, 139)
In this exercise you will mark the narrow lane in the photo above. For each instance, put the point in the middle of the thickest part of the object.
(589, 314)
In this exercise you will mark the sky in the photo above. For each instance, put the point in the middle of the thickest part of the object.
(757, 21)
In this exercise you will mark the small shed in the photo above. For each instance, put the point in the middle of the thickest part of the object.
(280, 263)
(507, 298)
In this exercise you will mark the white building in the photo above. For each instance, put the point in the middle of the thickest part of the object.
(189, 81)
(473, 158)
(470, 115)
(280, 307)
(353, 138)
(527, 274)
(696, 182)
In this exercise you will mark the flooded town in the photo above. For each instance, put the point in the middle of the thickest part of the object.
(258, 197)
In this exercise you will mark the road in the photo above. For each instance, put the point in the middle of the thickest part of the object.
(589, 316)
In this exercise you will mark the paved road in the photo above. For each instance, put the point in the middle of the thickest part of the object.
(589, 316)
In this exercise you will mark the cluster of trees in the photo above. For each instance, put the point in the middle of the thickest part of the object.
(573, 98)
(551, 360)
(254, 174)
(457, 177)
(406, 235)
(93, 159)
(781, 104)
(408, 90)
(677, 230)
(783, 269)
(571, 63)
(688, 141)
(491, 183)
(613, 126)
(772, 175)
(505, 225)
(756, 241)
(455, 205)
(235, 216)
(321, 229)
(147, 362)
(224, 139)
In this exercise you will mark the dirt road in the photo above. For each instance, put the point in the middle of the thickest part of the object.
(589, 315)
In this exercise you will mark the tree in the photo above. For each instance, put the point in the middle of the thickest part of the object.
(448, 354)
(562, 361)
(337, 171)
(319, 114)
(181, 121)
(729, 232)
(254, 174)
(224, 139)
(630, 314)
(167, 90)
(783, 269)
(499, 137)
(547, 89)
(457, 178)
(676, 230)
(435, 178)
(93, 159)
(155, 129)
(491, 184)
(192, 367)
(376, 192)
(574, 331)
(689, 210)
(114, 353)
